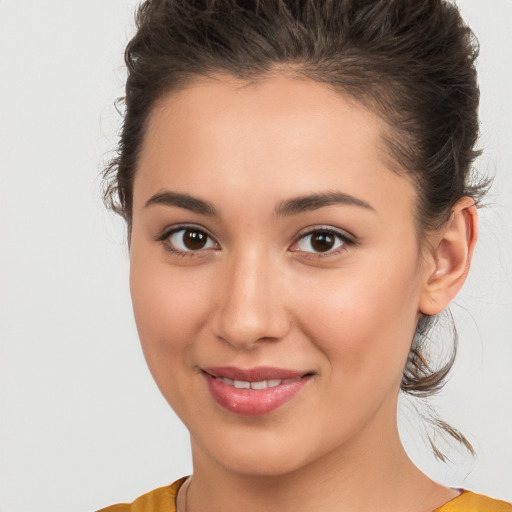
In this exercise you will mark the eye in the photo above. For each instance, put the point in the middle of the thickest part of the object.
(321, 241)
(186, 240)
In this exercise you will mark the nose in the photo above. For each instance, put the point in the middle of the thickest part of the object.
(252, 306)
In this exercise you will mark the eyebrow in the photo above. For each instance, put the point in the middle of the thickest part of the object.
(287, 208)
(316, 201)
(186, 201)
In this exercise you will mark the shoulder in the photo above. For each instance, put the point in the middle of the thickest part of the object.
(162, 499)
(472, 502)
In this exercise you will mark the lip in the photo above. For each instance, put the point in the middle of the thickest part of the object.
(253, 374)
(254, 402)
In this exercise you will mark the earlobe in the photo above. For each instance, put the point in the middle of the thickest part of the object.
(450, 257)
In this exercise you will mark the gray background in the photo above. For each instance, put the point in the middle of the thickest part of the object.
(82, 424)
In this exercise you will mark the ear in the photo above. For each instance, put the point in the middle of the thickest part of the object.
(449, 258)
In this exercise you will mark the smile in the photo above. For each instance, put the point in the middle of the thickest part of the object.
(262, 384)
(253, 392)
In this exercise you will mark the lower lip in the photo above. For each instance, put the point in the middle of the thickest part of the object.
(253, 402)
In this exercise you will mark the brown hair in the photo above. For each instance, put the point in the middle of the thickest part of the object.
(410, 61)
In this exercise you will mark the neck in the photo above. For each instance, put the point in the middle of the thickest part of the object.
(369, 472)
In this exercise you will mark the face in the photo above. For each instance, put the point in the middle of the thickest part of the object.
(275, 271)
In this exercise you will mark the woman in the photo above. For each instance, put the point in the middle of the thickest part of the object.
(295, 181)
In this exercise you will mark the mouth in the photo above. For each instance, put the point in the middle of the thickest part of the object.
(255, 391)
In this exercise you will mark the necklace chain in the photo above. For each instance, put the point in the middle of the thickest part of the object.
(185, 497)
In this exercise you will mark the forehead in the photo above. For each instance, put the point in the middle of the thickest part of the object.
(281, 107)
(282, 136)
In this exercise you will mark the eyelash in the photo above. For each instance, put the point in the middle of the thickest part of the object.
(344, 238)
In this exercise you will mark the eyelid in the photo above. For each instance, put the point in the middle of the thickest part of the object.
(347, 236)
(165, 232)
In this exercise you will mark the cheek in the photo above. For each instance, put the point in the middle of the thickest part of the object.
(170, 305)
(365, 317)
(170, 308)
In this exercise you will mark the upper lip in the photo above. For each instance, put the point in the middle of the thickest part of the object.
(256, 374)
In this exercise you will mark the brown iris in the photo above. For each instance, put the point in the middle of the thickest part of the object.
(322, 241)
(194, 240)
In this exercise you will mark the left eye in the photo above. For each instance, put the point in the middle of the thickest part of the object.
(190, 239)
(320, 241)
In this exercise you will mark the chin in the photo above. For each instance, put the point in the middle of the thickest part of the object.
(261, 464)
(259, 453)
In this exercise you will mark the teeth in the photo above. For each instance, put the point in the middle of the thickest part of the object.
(244, 384)
(259, 385)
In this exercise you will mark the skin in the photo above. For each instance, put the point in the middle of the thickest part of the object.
(258, 294)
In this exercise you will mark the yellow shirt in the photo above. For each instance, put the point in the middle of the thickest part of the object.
(164, 500)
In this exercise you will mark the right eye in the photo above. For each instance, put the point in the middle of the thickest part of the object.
(189, 240)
